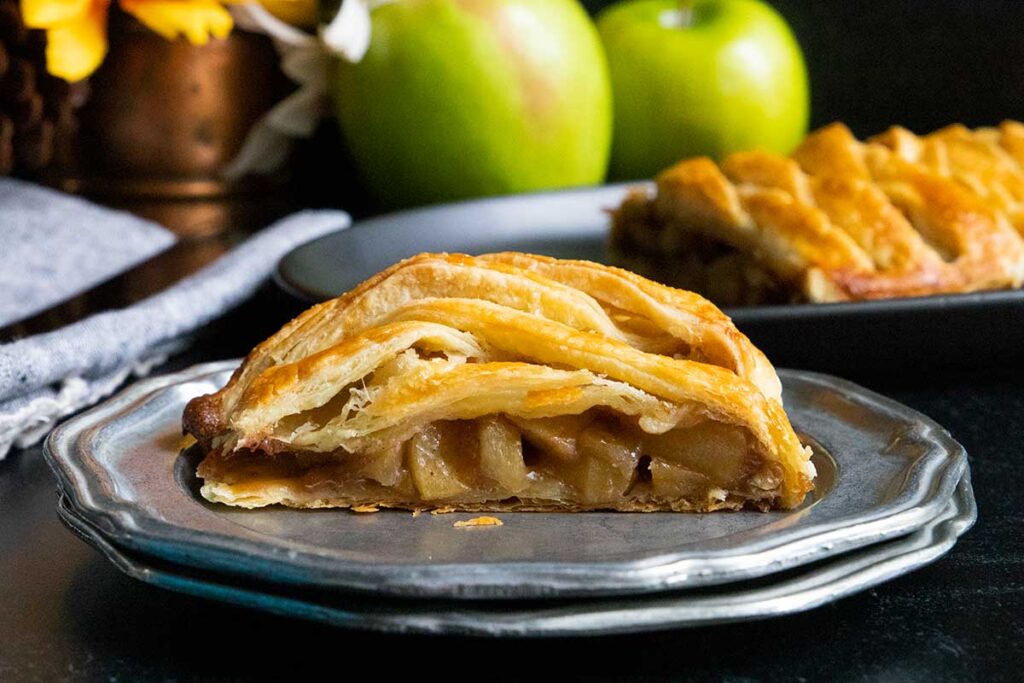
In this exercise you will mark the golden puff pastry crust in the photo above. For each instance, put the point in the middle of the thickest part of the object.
(503, 382)
(838, 220)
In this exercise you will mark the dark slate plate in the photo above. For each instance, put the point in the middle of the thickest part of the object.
(961, 330)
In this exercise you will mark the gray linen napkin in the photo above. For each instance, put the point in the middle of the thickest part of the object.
(49, 376)
(55, 245)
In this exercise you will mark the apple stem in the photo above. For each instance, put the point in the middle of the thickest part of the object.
(679, 18)
(686, 12)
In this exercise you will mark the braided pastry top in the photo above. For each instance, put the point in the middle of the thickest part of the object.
(899, 215)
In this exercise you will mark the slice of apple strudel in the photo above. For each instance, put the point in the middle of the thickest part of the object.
(838, 220)
(503, 382)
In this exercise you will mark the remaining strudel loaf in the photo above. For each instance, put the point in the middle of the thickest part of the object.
(503, 382)
(838, 220)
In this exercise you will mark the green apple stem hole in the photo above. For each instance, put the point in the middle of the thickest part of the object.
(681, 17)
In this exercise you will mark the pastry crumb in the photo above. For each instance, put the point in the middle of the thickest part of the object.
(186, 442)
(417, 512)
(479, 521)
(365, 508)
(442, 510)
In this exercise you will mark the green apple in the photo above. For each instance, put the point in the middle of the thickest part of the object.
(707, 77)
(465, 98)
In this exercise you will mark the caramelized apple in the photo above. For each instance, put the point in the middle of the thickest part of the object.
(433, 477)
(671, 480)
(591, 459)
(606, 465)
(555, 436)
(501, 454)
(383, 465)
(718, 451)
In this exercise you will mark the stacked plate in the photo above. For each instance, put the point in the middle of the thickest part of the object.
(893, 493)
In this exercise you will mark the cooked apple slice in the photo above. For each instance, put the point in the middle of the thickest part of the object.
(434, 478)
(718, 451)
(501, 454)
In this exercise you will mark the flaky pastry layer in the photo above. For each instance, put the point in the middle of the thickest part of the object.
(507, 381)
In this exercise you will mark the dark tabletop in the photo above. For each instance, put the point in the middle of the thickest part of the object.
(66, 613)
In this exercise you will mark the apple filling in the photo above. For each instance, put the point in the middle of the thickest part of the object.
(590, 461)
(690, 260)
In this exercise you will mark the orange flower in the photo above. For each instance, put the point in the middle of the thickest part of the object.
(301, 13)
(76, 30)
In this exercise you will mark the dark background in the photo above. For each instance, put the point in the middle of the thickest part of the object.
(875, 63)
(68, 614)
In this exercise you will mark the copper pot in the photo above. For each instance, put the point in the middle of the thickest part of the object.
(164, 117)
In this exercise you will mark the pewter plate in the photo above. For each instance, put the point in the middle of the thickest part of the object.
(796, 590)
(884, 471)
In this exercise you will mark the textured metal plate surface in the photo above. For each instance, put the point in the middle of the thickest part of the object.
(884, 471)
(793, 591)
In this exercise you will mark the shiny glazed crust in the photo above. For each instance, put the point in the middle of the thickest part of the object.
(899, 215)
(444, 337)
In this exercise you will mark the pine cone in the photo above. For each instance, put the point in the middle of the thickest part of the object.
(37, 110)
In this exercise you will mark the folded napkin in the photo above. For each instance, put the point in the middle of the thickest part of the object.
(49, 376)
(56, 245)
